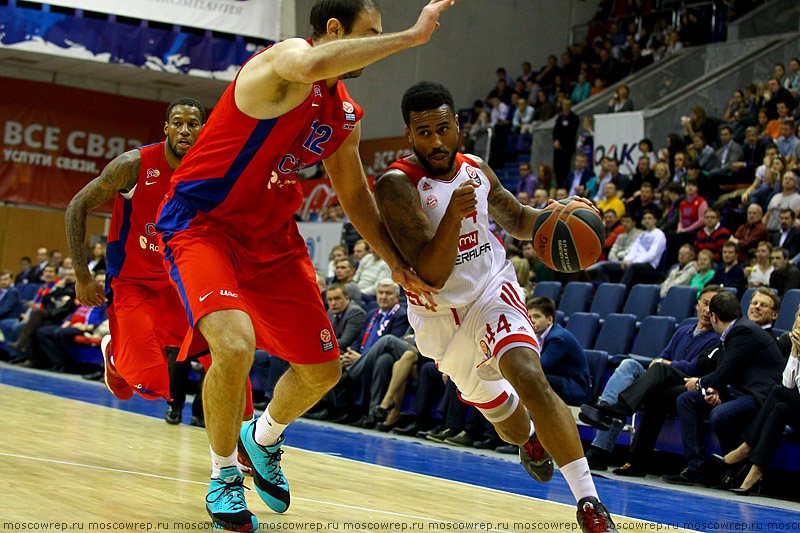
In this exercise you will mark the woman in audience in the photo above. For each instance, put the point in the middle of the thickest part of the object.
(758, 273)
(671, 200)
(705, 269)
(763, 120)
(698, 123)
(98, 261)
(582, 89)
(621, 101)
(523, 270)
(734, 104)
(781, 408)
(675, 144)
(646, 148)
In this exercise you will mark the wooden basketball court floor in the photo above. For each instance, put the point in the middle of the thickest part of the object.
(74, 457)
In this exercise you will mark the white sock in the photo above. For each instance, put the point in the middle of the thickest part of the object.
(533, 429)
(579, 479)
(267, 430)
(219, 462)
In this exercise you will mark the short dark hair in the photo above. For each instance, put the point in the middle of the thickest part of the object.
(543, 304)
(726, 127)
(784, 252)
(188, 102)
(787, 210)
(338, 286)
(725, 306)
(716, 289)
(769, 293)
(25, 258)
(731, 244)
(8, 273)
(345, 11)
(349, 262)
(626, 215)
(424, 96)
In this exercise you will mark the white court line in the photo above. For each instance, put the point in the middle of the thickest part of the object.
(402, 515)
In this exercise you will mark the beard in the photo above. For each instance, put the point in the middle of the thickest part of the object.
(432, 171)
(174, 150)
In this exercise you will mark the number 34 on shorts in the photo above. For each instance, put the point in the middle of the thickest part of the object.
(507, 329)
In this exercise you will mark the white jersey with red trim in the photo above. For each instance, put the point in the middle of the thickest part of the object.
(481, 254)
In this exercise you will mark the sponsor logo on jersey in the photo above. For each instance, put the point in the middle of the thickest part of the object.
(350, 117)
(521, 328)
(431, 201)
(143, 242)
(473, 253)
(224, 292)
(426, 186)
(470, 240)
(153, 173)
(326, 339)
(484, 347)
(348, 126)
(202, 298)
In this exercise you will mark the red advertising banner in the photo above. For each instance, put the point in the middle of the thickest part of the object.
(377, 154)
(56, 139)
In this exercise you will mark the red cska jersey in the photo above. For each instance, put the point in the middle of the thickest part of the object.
(132, 252)
(242, 172)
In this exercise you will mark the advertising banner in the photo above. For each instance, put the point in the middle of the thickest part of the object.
(257, 18)
(377, 154)
(617, 135)
(56, 139)
(320, 238)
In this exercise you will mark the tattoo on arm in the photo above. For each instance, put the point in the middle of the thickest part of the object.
(503, 207)
(398, 203)
(119, 176)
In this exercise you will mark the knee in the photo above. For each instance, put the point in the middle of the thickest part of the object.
(521, 367)
(321, 376)
(631, 367)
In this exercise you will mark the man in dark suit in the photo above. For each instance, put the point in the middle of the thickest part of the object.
(749, 365)
(9, 296)
(744, 170)
(346, 318)
(788, 235)
(26, 271)
(785, 275)
(577, 179)
(564, 364)
(565, 136)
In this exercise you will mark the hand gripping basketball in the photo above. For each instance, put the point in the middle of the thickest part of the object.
(568, 235)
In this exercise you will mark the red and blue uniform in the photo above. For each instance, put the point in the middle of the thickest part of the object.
(228, 236)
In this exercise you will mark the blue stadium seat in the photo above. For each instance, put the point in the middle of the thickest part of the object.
(679, 303)
(576, 297)
(642, 301)
(789, 305)
(608, 299)
(654, 335)
(550, 289)
(598, 360)
(27, 291)
(732, 290)
(584, 327)
(746, 297)
(560, 317)
(616, 334)
(691, 321)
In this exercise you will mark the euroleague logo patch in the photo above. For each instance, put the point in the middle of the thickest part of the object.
(431, 201)
(349, 112)
(326, 339)
(153, 173)
(485, 348)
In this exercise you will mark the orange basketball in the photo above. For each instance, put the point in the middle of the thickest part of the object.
(568, 236)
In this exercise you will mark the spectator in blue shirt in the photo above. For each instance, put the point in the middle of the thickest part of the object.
(9, 296)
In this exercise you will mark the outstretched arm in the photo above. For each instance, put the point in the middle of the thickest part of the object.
(431, 254)
(119, 176)
(350, 183)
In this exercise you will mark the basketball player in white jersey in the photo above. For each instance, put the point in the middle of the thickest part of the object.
(436, 205)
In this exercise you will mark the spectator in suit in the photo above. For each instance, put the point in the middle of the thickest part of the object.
(730, 272)
(781, 408)
(620, 180)
(704, 154)
(743, 170)
(682, 272)
(656, 387)
(9, 296)
(749, 234)
(643, 174)
(346, 318)
(345, 270)
(788, 198)
(577, 179)
(728, 153)
(778, 95)
(788, 235)
(564, 364)
(785, 275)
(713, 235)
(25, 271)
(644, 201)
(12, 327)
(42, 260)
(565, 137)
(749, 365)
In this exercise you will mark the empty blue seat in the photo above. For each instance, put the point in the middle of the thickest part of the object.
(560, 318)
(642, 301)
(747, 296)
(598, 360)
(654, 334)
(550, 289)
(616, 334)
(608, 299)
(789, 305)
(576, 297)
(679, 303)
(691, 321)
(584, 327)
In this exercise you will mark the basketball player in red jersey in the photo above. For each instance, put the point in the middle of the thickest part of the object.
(145, 313)
(226, 226)
(436, 204)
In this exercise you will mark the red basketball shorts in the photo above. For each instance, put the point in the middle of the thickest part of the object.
(272, 280)
(143, 322)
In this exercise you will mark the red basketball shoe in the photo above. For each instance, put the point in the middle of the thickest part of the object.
(114, 381)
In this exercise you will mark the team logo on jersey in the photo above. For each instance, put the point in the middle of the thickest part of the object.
(326, 339)
(317, 91)
(484, 347)
(153, 173)
(426, 186)
(431, 201)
